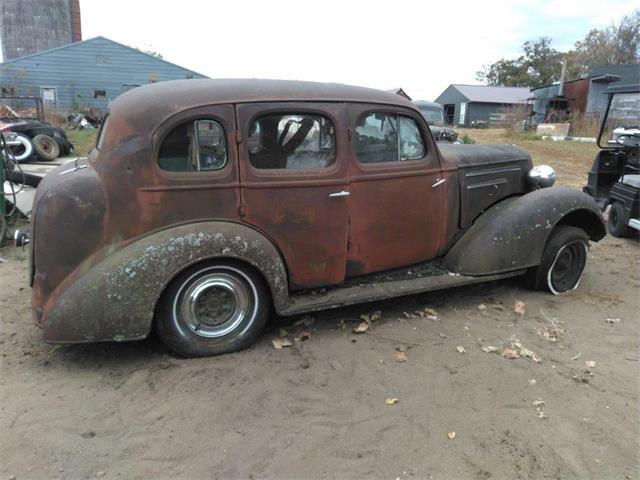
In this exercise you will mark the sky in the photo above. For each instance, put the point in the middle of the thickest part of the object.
(421, 46)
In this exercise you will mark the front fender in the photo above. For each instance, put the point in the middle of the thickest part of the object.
(511, 235)
(115, 298)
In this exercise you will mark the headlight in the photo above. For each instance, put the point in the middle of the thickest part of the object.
(541, 176)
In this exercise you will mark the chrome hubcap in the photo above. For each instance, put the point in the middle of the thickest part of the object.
(215, 304)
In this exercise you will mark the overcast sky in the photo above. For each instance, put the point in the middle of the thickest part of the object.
(417, 45)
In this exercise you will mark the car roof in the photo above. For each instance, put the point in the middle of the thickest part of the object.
(427, 104)
(163, 99)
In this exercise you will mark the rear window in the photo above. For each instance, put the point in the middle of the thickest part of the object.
(385, 137)
(292, 141)
(101, 134)
(193, 146)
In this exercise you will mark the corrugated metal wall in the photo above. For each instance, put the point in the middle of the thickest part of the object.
(451, 96)
(80, 70)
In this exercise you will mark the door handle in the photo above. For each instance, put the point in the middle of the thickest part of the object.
(343, 193)
(440, 181)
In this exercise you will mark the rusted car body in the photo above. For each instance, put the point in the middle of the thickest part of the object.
(143, 230)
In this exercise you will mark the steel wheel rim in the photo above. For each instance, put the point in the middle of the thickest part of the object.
(566, 270)
(215, 304)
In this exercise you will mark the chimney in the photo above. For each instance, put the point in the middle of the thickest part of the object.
(563, 74)
(76, 21)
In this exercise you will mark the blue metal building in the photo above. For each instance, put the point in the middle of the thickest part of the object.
(465, 105)
(87, 74)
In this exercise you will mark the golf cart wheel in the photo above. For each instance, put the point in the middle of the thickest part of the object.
(618, 221)
(23, 150)
(563, 261)
(46, 147)
(213, 308)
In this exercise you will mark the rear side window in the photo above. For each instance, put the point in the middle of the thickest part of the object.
(197, 145)
(292, 141)
(384, 137)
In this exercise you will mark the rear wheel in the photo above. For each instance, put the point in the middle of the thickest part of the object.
(46, 147)
(563, 261)
(618, 221)
(213, 308)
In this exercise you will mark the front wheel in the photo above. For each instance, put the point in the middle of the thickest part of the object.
(212, 308)
(618, 221)
(563, 261)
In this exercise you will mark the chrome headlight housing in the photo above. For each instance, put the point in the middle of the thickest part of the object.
(541, 176)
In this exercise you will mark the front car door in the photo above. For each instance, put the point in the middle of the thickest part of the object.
(396, 215)
(293, 170)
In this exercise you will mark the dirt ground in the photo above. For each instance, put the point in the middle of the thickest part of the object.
(319, 408)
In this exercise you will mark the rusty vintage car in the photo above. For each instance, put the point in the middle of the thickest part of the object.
(207, 205)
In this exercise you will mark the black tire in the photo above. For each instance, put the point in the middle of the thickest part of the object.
(23, 152)
(228, 290)
(563, 261)
(618, 221)
(46, 147)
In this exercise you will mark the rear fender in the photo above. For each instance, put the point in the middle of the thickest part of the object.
(115, 298)
(511, 235)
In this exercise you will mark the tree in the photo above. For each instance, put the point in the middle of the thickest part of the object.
(616, 45)
(540, 64)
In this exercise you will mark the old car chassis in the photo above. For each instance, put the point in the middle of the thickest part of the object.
(206, 202)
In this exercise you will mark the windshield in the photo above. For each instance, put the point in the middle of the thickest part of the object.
(621, 126)
(433, 116)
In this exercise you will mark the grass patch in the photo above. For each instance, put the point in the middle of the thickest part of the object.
(83, 140)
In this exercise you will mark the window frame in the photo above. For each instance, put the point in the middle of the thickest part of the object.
(191, 115)
(384, 109)
(284, 172)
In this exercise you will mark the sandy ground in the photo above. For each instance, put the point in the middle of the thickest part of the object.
(318, 409)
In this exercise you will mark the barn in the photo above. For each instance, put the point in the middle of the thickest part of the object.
(86, 74)
(466, 105)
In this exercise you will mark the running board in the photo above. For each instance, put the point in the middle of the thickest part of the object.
(383, 286)
(634, 223)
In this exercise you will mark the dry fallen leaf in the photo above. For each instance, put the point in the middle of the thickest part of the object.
(460, 349)
(361, 328)
(302, 336)
(482, 307)
(431, 313)
(538, 403)
(510, 353)
(307, 320)
(400, 357)
(391, 401)
(451, 435)
(542, 415)
(489, 349)
(519, 307)
(280, 343)
(371, 317)
(590, 364)
(612, 320)
(532, 381)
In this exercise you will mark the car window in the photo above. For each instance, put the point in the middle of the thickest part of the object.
(291, 141)
(385, 137)
(411, 146)
(196, 145)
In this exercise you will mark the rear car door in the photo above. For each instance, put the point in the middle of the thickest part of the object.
(396, 211)
(293, 164)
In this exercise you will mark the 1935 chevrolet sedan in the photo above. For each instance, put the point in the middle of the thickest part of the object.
(206, 204)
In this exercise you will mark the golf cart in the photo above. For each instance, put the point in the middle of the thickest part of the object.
(614, 178)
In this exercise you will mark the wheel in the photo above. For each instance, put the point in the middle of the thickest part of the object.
(212, 308)
(23, 150)
(46, 147)
(563, 261)
(618, 220)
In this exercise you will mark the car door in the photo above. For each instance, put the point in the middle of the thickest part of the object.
(293, 171)
(396, 190)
